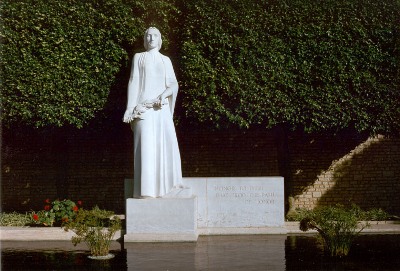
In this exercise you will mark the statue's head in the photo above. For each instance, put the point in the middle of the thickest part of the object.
(152, 38)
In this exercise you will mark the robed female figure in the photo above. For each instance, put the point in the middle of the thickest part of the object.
(152, 92)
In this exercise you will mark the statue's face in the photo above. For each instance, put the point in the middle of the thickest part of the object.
(152, 38)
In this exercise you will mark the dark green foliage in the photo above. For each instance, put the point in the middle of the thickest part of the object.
(59, 58)
(64, 210)
(163, 14)
(297, 214)
(312, 64)
(15, 219)
(374, 214)
(336, 225)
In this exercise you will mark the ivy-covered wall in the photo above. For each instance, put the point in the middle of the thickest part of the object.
(311, 65)
(328, 68)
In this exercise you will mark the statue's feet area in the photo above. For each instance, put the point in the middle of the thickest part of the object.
(179, 192)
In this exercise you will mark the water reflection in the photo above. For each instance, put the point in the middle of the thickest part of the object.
(256, 252)
(368, 252)
(211, 253)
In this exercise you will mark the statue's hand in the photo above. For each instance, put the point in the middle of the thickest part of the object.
(134, 113)
(128, 116)
(160, 100)
(139, 109)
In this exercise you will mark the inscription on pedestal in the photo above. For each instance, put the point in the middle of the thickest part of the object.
(239, 202)
(247, 194)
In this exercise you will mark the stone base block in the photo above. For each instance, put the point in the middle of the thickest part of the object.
(161, 219)
(242, 231)
(239, 205)
(158, 237)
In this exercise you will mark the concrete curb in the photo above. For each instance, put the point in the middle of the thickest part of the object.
(377, 227)
(39, 234)
(58, 234)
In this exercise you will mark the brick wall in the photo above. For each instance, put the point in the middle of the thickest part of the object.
(85, 165)
(91, 165)
(365, 172)
(227, 153)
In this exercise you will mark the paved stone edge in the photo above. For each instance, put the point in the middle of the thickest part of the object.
(56, 233)
(40, 234)
(374, 227)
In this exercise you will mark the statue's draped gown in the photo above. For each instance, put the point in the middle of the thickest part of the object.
(157, 161)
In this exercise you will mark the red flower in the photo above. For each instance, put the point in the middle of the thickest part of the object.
(35, 217)
(65, 219)
(75, 208)
(47, 201)
(79, 202)
(47, 207)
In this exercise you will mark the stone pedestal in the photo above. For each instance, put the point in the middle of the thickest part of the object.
(161, 219)
(212, 206)
(251, 205)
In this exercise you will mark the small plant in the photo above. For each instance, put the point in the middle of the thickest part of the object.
(376, 214)
(43, 217)
(56, 212)
(96, 228)
(297, 214)
(15, 219)
(336, 225)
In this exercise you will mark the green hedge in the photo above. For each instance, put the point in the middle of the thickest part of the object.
(60, 58)
(312, 64)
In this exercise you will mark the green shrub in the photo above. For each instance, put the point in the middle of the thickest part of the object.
(311, 64)
(336, 225)
(56, 212)
(59, 59)
(95, 228)
(376, 214)
(297, 214)
(15, 219)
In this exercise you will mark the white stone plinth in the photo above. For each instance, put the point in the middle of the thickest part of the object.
(161, 219)
(251, 205)
(218, 206)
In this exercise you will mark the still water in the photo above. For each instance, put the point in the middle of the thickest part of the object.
(255, 252)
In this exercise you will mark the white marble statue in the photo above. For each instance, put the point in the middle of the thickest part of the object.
(152, 92)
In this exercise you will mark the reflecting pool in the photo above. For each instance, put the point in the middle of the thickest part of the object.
(245, 252)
